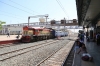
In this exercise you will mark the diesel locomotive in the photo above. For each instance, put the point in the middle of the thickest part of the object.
(31, 34)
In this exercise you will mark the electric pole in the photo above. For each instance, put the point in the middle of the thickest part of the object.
(46, 24)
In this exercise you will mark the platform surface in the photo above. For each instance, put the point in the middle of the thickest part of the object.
(5, 37)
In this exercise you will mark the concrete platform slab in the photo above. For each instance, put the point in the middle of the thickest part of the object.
(12, 37)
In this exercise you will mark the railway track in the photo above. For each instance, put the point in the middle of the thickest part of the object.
(47, 57)
(67, 62)
(6, 45)
(35, 56)
(14, 53)
(10, 44)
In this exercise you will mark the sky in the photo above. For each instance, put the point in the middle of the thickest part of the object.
(17, 11)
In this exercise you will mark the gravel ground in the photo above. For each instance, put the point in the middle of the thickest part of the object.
(19, 46)
(33, 57)
(22, 45)
(59, 57)
(22, 51)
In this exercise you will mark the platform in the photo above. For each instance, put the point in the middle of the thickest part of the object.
(12, 37)
(94, 50)
(4, 39)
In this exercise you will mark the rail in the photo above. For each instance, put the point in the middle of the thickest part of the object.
(22, 49)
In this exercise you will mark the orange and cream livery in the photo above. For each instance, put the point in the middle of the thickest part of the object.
(35, 33)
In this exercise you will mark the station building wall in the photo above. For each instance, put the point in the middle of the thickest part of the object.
(13, 30)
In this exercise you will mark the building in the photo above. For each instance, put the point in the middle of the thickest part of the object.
(16, 28)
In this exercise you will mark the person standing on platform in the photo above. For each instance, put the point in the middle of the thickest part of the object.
(8, 35)
(87, 35)
(18, 35)
(98, 38)
(82, 37)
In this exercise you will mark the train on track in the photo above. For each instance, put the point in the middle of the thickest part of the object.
(31, 34)
(61, 33)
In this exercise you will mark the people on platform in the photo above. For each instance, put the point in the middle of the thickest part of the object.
(98, 38)
(87, 34)
(8, 35)
(18, 35)
(78, 44)
(79, 35)
(84, 54)
(94, 37)
(82, 37)
(82, 49)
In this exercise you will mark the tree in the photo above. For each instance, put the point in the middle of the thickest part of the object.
(1, 23)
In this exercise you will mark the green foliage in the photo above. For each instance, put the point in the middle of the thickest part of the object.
(1, 23)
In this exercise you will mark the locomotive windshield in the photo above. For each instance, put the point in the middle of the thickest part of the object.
(27, 32)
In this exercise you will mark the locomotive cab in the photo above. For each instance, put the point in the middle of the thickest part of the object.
(26, 36)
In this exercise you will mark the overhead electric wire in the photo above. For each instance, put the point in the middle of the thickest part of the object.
(15, 7)
(13, 17)
(62, 7)
(11, 13)
(23, 6)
